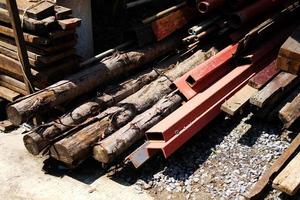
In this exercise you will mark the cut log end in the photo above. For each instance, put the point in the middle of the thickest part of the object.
(101, 155)
(63, 155)
(34, 143)
(14, 116)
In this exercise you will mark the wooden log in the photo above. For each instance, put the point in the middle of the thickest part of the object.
(86, 80)
(275, 90)
(8, 94)
(129, 108)
(107, 150)
(41, 137)
(29, 38)
(264, 181)
(264, 76)
(288, 180)
(6, 126)
(239, 100)
(290, 113)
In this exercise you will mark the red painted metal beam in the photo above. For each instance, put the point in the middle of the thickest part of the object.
(176, 129)
(206, 73)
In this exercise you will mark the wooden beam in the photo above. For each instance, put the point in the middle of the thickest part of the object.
(290, 113)
(238, 100)
(275, 90)
(8, 94)
(288, 181)
(23, 57)
(264, 76)
(264, 181)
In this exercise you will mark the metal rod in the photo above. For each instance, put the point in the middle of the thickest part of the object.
(203, 25)
(20, 42)
(137, 3)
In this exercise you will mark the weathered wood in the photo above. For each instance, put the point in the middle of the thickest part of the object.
(13, 84)
(264, 181)
(41, 137)
(6, 126)
(168, 24)
(37, 26)
(41, 10)
(290, 113)
(86, 80)
(289, 54)
(288, 180)
(107, 150)
(264, 76)
(129, 108)
(71, 23)
(8, 94)
(239, 100)
(62, 12)
(29, 38)
(275, 90)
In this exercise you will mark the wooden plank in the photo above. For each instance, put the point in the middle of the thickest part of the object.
(41, 10)
(168, 24)
(264, 181)
(8, 94)
(275, 90)
(290, 113)
(29, 38)
(12, 84)
(71, 23)
(288, 180)
(62, 12)
(6, 126)
(289, 54)
(264, 76)
(239, 100)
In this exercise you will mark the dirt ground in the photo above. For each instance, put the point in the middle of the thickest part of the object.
(22, 177)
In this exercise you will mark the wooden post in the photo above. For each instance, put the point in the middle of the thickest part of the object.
(19, 38)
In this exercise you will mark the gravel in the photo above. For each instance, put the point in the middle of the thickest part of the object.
(222, 162)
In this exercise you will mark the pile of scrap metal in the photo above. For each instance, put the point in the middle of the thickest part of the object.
(49, 35)
(167, 102)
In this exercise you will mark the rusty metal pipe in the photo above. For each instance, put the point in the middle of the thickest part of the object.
(250, 12)
(209, 5)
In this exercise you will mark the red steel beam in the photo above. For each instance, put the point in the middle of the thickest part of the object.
(176, 129)
(206, 73)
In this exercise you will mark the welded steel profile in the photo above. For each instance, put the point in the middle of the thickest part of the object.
(252, 11)
(209, 5)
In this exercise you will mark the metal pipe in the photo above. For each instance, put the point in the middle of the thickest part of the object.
(137, 3)
(209, 5)
(203, 25)
(250, 12)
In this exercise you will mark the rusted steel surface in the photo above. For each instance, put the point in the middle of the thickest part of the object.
(264, 76)
(265, 180)
(206, 73)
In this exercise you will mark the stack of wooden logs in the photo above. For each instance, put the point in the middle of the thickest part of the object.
(49, 33)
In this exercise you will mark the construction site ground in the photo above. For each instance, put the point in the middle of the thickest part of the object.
(221, 162)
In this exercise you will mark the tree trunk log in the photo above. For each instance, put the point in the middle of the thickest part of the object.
(128, 109)
(86, 80)
(110, 148)
(39, 138)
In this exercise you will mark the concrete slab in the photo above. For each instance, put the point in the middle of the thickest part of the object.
(21, 177)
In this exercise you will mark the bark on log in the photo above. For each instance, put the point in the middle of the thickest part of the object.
(109, 149)
(86, 80)
(41, 137)
(128, 109)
